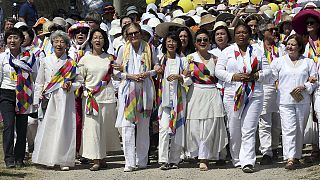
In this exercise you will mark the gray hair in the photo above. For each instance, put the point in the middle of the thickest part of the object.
(61, 34)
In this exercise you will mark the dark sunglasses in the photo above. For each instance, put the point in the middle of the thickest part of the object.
(310, 23)
(82, 30)
(199, 40)
(56, 28)
(133, 33)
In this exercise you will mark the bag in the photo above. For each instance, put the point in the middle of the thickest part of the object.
(44, 103)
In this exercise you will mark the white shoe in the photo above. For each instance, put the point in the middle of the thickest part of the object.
(129, 169)
(64, 168)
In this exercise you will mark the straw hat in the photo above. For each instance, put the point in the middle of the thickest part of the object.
(285, 18)
(177, 13)
(310, 5)
(207, 19)
(225, 16)
(40, 21)
(299, 20)
(59, 21)
(45, 28)
(20, 24)
(163, 28)
(219, 24)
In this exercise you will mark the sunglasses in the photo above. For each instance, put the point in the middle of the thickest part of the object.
(310, 23)
(82, 30)
(133, 33)
(56, 28)
(199, 40)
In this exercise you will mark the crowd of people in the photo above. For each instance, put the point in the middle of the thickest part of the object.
(209, 84)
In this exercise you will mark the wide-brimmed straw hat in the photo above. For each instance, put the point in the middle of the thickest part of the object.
(163, 28)
(77, 25)
(299, 21)
(207, 19)
(40, 21)
(285, 18)
(45, 27)
(225, 16)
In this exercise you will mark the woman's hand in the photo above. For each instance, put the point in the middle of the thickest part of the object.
(241, 77)
(144, 75)
(186, 73)
(299, 89)
(133, 77)
(117, 67)
(312, 79)
(67, 86)
(158, 69)
(173, 77)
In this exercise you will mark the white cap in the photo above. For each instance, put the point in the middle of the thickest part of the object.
(310, 5)
(153, 22)
(19, 24)
(177, 13)
(115, 27)
(151, 6)
(146, 16)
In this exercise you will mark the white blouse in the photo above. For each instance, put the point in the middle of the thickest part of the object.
(228, 66)
(291, 76)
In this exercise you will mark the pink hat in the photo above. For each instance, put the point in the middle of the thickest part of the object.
(299, 20)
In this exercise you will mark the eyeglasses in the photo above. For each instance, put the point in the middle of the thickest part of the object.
(133, 33)
(82, 30)
(199, 40)
(310, 23)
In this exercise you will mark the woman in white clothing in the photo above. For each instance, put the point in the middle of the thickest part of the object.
(242, 71)
(136, 97)
(99, 102)
(206, 134)
(55, 142)
(172, 105)
(293, 72)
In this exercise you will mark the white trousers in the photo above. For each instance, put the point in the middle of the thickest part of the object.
(269, 132)
(169, 151)
(293, 122)
(31, 133)
(243, 130)
(136, 148)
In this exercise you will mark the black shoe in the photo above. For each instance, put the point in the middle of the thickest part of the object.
(10, 165)
(221, 162)
(266, 160)
(164, 166)
(173, 166)
(84, 160)
(248, 169)
(275, 154)
(20, 164)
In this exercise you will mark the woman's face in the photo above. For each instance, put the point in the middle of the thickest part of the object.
(253, 26)
(27, 40)
(97, 41)
(202, 42)
(14, 42)
(241, 35)
(171, 45)
(221, 38)
(59, 45)
(287, 28)
(81, 35)
(184, 38)
(292, 47)
(312, 24)
(134, 35)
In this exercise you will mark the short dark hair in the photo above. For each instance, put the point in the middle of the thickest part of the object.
(30, 32)
(299, 40)
(203, 31)
(105, 37)
(95, 17)
(13, 31)
(176, 38)
(124, 17)
(226, 29)
(245, 26)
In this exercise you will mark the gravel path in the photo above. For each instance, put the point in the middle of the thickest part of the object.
(186, 171)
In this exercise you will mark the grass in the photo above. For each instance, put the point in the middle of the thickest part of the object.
(28, 172)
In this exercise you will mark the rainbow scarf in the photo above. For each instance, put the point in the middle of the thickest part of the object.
(177, 105)
(200, 73)
(314, 50)
(23, 69)
(245, 92)
(134, 109)
(92, 107)
(67, 72)
(270, 55)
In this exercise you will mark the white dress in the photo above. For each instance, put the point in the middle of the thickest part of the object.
(99, 134)
(55, 142)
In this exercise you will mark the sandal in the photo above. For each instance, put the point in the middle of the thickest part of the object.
(292, 164)
(203, 166)
(95, 167)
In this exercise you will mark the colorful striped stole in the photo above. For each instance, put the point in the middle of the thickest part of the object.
(92, 107)
(270, 55)
(177, 112)
(24, 81)
(201, 75)
(67, 72)
(314, 50)
(134, 110)
(245, 92)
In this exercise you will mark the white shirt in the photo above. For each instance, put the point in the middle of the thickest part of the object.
(291, 76)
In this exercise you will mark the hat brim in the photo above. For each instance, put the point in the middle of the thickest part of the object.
(224, 16)
(163, 29)
(299, 20)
